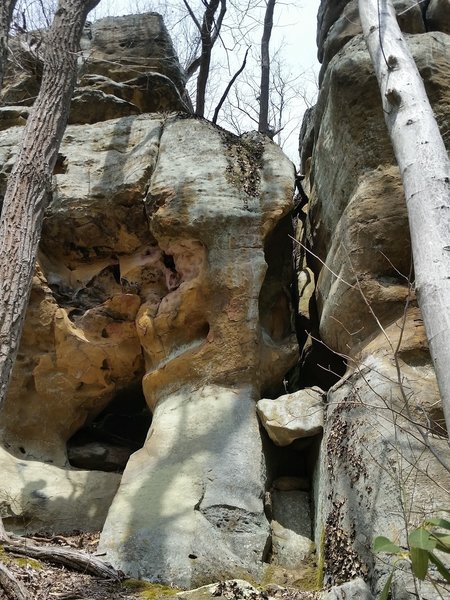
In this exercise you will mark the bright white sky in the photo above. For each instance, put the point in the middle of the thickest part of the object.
(295, 30)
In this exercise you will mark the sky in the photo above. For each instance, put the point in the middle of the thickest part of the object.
(294, 30)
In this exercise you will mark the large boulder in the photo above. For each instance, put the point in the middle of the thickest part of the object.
(159, 270)
(292, 416)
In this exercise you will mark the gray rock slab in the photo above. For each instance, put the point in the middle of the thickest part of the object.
(189, 508)
(292, 416)
(35, 496)
(291, 528)
(356, 589)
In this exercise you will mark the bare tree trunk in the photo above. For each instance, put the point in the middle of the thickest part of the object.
(425, 170)
(28, 191)
(263, 125)
(6, 12)
(209, 32)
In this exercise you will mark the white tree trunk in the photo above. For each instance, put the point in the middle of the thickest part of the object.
(425, 171)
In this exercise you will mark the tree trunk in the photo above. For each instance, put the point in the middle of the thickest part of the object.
(28, 190)
(208, 40)
(425, 171)
(6, 11)
(263, 125)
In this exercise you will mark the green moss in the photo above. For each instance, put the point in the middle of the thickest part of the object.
(308, 580)
(321, 560)
(269, 576)
(28, 562)
(21, 562)
(305, 578)
(150, 591)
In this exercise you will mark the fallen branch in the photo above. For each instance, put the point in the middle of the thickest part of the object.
(69, 557)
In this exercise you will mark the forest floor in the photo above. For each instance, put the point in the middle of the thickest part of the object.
(41, 579)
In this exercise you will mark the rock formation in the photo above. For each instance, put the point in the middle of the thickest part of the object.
(160, 325)
(164, 262)
(376, 474)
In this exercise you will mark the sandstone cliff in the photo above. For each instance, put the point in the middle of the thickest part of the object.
(376, 475)
(161, 295)
(161, 331)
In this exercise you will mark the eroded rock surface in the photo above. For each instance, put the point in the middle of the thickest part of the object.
(127, 66)
(374, 455)
(154, 268)
(208, 355)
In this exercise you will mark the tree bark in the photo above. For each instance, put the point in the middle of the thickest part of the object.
(28, 190)
(207, 46)
(263, 125)
(425, 171)
(6, 12)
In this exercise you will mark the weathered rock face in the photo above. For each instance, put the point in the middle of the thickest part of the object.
(156, 269)
(127, 66)
(380, 417)
(207, 358)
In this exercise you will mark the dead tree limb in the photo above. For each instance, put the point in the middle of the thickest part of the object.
(229, 86)
(69, 557)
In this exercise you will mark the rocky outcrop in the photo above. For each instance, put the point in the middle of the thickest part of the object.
(208, 354)
(127, 66)
(160, 318)
(383, 422)
(153, 268)
(338, 23)
(160, 313)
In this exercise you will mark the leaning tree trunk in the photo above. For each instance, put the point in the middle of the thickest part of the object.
(263, 125)
(6, 12)
(425, 171)
(28, 190)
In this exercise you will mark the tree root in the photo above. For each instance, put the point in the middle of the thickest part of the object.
(12, 586)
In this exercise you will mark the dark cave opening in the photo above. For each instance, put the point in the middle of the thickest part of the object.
(107, 442)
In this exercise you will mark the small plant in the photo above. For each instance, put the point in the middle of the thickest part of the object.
(422, 544)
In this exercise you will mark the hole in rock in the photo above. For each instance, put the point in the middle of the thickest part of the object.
(169, 262)
(318, 366)
(106, 443)
(290, 461)
(60, 165)
(115, 270)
